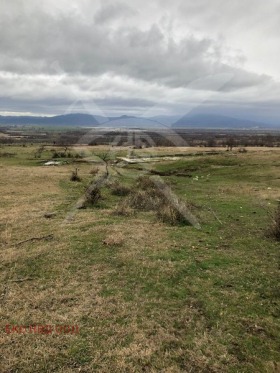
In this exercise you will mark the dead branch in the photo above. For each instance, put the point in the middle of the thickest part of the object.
(21, 279)
(48, 237)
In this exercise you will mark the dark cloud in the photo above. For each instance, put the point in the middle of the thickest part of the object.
(34, 45)
(122, 54)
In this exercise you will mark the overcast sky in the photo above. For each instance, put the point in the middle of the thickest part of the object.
(141, 58)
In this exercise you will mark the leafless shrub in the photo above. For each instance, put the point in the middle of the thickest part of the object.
(143, 200)
(118, 189)
(94, 171)
(155, 195)
(105, 156)
(114, 239)
(145, 183)
(174, 212)
(122, 209)
(167, 213)
(93, 191)
(75, 176)
(92, 196)
(39, 151)
(177, 211)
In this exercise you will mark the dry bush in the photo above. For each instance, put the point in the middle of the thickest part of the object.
(173, 210)
(171, 214)
(155, 195)
(94, 171)
(75, 176)
(92, 195)
(114, 239)
(142, 200)
(118, 189)
(93, 192)
(275, 226)
(145, 183)
(145, 196)
(123, 209)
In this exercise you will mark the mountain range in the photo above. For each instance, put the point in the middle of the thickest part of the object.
(207, 121)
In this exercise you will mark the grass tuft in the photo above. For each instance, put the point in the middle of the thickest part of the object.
(122, 209)
(92, 196)
(94, 171)
(74, 176)
(170, 214)
(155, 195)
(114, 239)
(117, 189)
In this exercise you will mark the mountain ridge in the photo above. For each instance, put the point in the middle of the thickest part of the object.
(207, 121)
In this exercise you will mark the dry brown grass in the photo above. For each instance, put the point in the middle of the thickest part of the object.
(122, 209)
(118, 189)
(92, 196)
(94, 171)
(114, 239)
(155, 195)
(145, 195)
(52, 295)
(168, 213)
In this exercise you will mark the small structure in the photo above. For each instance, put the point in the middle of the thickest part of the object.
(52, 163)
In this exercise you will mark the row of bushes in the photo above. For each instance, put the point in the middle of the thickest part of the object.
(66, 155)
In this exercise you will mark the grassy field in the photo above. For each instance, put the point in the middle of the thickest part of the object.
(147, 296)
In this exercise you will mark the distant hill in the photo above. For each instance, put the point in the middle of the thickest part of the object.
(82, 120)
(216, 121)
(133, 122)
(62, 120)
(166, 120)
(206, 121)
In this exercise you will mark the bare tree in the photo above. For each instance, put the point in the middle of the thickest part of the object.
(105, 156)
(230, 143)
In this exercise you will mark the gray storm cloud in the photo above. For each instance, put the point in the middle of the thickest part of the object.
(135, 56)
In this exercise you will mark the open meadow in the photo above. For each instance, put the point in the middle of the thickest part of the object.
(147, 290)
